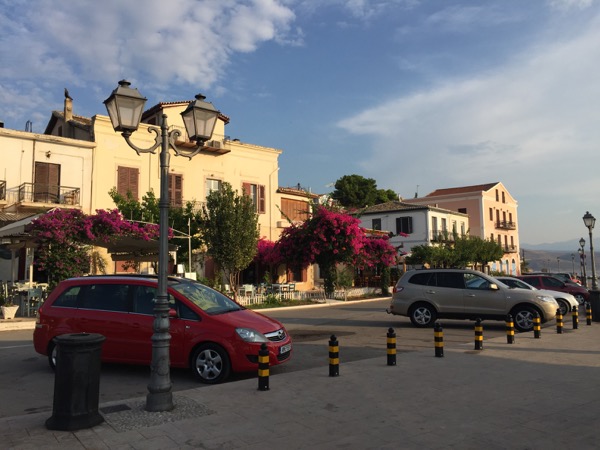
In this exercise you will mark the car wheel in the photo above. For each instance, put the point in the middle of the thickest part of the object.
(564, 306)
(422, 315)
(580, 299)
(523, 317)
(52, 351)
(210, 364)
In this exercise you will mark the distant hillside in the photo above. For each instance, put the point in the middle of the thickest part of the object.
(564, 246)
(546, 260)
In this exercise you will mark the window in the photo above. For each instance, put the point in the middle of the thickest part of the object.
(497, 196)
(404, 225)
(294, 209)
(444, 225)
(212, 185)
(175, 190)
(534, 281)
(462, 210)
(421, 278)
(503, 198)
(463, 229)
(491, 214)
(498, 216)
(47, 181)
(376, 224)
(450, 280)
(257, 193)
(434, 225)
(454, 226)
(68, 299)
(106, 297)
(473, 281)
(510, 217)
(127, 181)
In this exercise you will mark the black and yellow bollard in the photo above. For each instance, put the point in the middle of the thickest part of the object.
(559, 321)
(575, 317)
(478, 335)
(263, 368)
(510, 329)
(334, 357)
(438, 337)
(588, 313)
(537, 326)
(391, 347)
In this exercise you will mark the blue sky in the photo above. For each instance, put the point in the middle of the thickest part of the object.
(417, 94)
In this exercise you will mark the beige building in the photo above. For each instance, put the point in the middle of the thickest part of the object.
(85, 158)
(492, 215)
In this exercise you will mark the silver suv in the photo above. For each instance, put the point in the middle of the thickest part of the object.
(428, 294)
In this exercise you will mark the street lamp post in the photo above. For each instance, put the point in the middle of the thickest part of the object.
(582, 256)
(589, 222)
(573, 264)
(558, 264)
(125, 107)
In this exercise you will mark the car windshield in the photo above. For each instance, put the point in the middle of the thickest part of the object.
(210, 301)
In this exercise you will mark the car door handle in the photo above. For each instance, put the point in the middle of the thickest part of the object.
(470, 295)
(430, 292)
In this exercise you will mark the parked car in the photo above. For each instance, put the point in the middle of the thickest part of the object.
(425, 295)
(210, 333)
(554, 284)
(562, 276)
(566, 302)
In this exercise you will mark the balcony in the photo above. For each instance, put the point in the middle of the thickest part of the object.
(36, 195)
(505, 225)
(442, 236)
(510, 249)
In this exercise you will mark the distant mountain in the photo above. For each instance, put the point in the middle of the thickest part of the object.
(556, 261)
(570, 245)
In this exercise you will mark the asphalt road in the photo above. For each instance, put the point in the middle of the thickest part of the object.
(27, 382)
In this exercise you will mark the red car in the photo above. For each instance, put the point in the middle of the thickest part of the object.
(554, 284)
(210, 333)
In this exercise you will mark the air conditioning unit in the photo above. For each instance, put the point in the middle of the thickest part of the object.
(214, 144)
(282, 223)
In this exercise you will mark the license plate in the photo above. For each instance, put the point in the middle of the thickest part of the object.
(285, 348)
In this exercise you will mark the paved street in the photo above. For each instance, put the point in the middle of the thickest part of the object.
(536, 393)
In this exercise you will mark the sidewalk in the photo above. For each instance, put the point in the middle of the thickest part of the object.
(533, 394)
(18, 323)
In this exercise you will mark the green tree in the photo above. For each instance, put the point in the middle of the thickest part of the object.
(385, 195)
(229, 229)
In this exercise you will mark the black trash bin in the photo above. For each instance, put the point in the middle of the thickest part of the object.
(76, 382)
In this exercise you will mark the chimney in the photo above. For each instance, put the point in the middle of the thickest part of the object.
(68, 113)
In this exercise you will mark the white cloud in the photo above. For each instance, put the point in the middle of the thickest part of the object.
(532, 124)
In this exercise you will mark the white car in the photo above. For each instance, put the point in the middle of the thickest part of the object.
(565, 301)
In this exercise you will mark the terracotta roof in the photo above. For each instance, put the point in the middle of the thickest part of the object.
(401, 206)
(462, 189)
(159, 106)
(298, 192)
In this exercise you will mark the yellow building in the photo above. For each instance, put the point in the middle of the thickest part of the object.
(492, 215)
(87, 157)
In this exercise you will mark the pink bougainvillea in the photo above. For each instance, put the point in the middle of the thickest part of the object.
(64, 237)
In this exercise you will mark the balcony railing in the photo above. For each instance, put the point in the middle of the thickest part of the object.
(506, 225)
(49, 194)
(2, 190)
(509, 249)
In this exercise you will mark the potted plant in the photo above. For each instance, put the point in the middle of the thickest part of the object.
(9, 309)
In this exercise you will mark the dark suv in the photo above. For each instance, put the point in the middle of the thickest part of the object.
(554, 284)
(424, 295)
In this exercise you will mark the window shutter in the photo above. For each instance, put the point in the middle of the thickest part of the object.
(127, 181)
(176, 189)
(246, 189)
(261, 199)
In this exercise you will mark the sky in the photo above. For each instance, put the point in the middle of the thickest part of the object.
(417, 94)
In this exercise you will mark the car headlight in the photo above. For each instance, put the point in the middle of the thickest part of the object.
(546, 298)
(250, 335)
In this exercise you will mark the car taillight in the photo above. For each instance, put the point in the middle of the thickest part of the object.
(397, 289)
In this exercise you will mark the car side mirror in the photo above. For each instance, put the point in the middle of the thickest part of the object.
(172, 313)
(493, 287)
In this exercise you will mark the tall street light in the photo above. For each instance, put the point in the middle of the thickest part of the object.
(125, 107)
(558, 264)
(582, 256)
(589, 222)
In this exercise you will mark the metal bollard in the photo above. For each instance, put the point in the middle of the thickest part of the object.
(438, 337)
(334, 357)
(76, 382)
(575, 317)
(478, 335)
(588, 313)
(537, 326)
(391, 347)
(263, 368)
(510, 329)
(559, 322)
